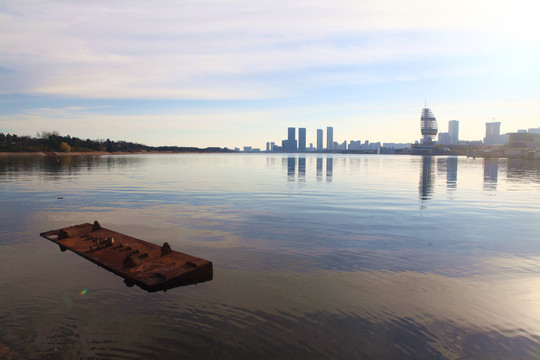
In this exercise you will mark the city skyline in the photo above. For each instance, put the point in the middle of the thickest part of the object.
(212, 74)
(428, 130)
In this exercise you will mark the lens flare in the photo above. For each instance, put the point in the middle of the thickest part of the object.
(84, 291)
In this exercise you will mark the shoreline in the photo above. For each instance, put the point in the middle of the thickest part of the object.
(102, 153)
(87, 153)
(49, 153)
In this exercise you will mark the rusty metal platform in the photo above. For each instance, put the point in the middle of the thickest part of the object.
(149, 266)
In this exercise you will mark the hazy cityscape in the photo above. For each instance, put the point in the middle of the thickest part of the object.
(523, 142)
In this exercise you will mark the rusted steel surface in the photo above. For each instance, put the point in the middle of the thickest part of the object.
(149, 266)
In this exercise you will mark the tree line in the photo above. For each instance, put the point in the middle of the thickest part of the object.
(53, 142)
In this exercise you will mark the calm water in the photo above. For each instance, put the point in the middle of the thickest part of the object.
(315, 257)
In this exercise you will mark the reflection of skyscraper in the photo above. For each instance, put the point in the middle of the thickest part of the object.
(329, 168)
(453, 131)
(329, 138)
(491, 174)
(447, 166)
(302, 169)
(302, 139)
(319, 140)
(319, 169)
(451, 172)
(291, 167)
(425, 189)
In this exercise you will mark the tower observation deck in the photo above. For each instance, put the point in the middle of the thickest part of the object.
(428, 126)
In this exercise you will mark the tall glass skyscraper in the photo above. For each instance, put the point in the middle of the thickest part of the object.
(290, 144)
(453, 131)
(319, 139)
(493, 133)
(291, 134)
(329, 138)
(302, 139)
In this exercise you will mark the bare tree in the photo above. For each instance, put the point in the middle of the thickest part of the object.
(44, 134)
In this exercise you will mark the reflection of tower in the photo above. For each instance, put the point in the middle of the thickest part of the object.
(319, 140)
(491, 174)
(329, 138)
(319, 169)
(302, 139)
(425, 189)
(428, 126)
(301, 169)
(329, 168)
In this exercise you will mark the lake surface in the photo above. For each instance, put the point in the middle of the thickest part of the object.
(315, 257)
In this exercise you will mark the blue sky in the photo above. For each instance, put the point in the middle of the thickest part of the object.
(238, 72)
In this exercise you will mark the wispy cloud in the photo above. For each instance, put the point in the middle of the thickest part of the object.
(365, 65)
(219, 50)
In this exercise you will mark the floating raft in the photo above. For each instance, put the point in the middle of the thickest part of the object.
(149, 266)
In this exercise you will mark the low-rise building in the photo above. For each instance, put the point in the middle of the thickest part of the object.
(523, 145)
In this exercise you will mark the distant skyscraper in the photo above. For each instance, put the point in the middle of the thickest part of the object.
(319, 140)
(302, 139)
(444, 138)
(290, 144)
(428, 126)
(493, 133)
(453, 131)
(292, 134)
(329, 138)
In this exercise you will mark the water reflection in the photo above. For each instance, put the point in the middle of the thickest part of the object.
(342, 269)
(523, 169)
(425, 187)
(56, 167)
(319, 168)
(301, 169)
(448, 166)
(294, 163)
(491, 174)
(451, 176)
(329, 169)
(291, 168)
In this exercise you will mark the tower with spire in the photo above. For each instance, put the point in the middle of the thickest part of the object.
(428, 126)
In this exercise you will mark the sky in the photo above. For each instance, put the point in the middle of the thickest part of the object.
(234, 73)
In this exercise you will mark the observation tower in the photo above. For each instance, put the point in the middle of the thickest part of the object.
(428, 126)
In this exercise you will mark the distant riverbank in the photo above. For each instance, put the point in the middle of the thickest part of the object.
(77, 153)
(52, 153)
